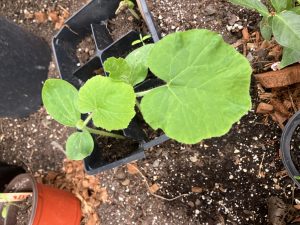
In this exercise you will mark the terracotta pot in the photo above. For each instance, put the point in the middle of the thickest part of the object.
(50, 206)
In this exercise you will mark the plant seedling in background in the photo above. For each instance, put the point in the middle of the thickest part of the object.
(205, 90)
(283, 24)
(141, 40)
(127, 4)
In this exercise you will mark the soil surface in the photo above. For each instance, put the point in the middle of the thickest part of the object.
(24, 212)
(225, 180)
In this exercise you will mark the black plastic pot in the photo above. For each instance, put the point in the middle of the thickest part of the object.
(7, 173)
(90, 21)
(285, 146)
(24, 62)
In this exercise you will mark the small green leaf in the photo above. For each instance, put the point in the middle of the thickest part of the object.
(79, 145)
(290, 4)
(279, 5)
(111, 102)
(137, 60)
(136, 42)
(146, 37)
(297, 177)
(207, 86)
(118, 69)
(296, 10)
(252, 4)
(286, 29)
(59, 98)
(266, 28)
(289, 57)
(4, 211)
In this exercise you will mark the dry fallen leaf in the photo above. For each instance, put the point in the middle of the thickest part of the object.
(132, 168)
(53, 16)
(60, 23)
(197, 189)
(154, 188)
(40, 17)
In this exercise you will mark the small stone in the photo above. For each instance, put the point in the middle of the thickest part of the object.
(210, 10)
(191, 204)
(156, 163)
(198, 202)
(126, 182)
(231, 177)
(120, 175)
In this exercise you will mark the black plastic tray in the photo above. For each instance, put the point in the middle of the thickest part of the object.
(90, 21)
(285, 147)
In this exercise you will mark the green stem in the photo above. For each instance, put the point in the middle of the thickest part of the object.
(104, 133)
(138, 104)
(134, 13)
(87, 120)
(142, 93)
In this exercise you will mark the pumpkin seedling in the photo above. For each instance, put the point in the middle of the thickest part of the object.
(205, 90)
(127, 4)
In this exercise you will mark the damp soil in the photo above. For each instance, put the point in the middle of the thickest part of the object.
(24, 211)
(85, 50)
(123, 23)
(115, 149)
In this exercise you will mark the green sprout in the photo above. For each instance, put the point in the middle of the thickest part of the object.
(141, 40)
(127, 4)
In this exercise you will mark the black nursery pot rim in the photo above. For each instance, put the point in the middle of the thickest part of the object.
(285, 147)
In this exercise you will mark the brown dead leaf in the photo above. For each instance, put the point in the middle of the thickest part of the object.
(132, 168)
(279, 107)
(297, 207)
(245, 33)
(40, 17)
(60, 23)
(264, 108)
(103, 195)
(154, 188)
(197, 189)
(53, 16)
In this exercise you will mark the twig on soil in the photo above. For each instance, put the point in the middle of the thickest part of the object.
(260, 166)
(292, 101)
(155, 195)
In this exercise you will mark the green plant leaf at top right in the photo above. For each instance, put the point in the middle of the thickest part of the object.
(286, 29)
(252, 4)
(279, 5)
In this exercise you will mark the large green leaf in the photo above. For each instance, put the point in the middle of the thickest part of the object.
(266, 28)
(296, 10)
(111, 102)
(79, 145)
(290, 4)
(59, 98)
(252, 4)
(289, 56)
(279, 5)
(207, 86)
(286, 29)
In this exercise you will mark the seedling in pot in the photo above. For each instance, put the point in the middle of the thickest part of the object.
(283, 24)
(205, 90)
(127, 4)
(8, 199)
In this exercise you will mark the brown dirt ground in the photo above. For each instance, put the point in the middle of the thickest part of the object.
(232, 176)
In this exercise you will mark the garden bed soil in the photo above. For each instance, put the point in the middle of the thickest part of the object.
(24, 212)
(115, 149)
(225, 180)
